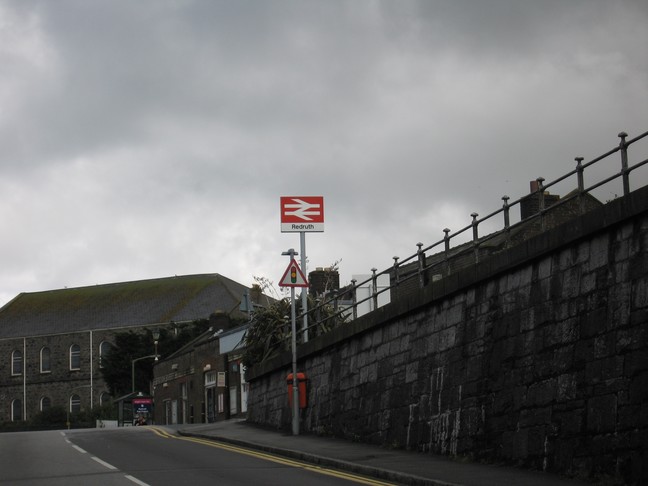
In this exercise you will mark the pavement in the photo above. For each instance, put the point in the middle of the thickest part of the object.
(396, 466)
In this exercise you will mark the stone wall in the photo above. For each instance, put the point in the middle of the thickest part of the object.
(537, 357)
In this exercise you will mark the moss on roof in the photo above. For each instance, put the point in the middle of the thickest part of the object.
(126, 304)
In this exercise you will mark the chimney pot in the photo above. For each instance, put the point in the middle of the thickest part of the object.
(534, 186)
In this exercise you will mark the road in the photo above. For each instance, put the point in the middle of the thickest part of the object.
(148, 456)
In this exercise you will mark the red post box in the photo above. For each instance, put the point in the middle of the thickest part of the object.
(301, 388)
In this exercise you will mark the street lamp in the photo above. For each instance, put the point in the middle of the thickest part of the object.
(133, 368)
(156, 337)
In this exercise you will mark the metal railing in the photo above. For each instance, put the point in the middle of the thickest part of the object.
(418, 266)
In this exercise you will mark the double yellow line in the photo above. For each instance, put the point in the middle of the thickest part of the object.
(271, 457)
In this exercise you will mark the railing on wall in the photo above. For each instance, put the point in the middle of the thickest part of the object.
(343, 305)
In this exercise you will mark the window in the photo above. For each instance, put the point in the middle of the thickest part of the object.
(75, 357)
(16, 363)
(45, 403)
(210, 378)
(104, 349)
(75, 404)
(45, 363)
(16, 411)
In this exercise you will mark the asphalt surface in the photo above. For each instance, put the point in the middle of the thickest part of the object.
(398, 466)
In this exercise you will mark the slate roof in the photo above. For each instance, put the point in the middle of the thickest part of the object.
(120, 305)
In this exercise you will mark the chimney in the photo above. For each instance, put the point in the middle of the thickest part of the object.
(534, 186)
(530, 205)
(323, 280)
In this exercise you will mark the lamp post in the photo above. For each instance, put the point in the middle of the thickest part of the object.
(133, 368)
(156, 336)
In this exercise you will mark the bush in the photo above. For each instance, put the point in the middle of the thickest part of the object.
(52, 417)
(270, 331)
(57, 418)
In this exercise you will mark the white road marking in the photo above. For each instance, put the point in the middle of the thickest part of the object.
(104, 463)
(136, 481)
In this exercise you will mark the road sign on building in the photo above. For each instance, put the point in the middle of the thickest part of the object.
(293, 276)
(302, 214)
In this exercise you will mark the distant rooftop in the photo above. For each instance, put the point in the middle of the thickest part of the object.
(120, 305)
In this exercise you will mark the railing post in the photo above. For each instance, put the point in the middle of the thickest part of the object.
(374, 283)
(396, 277)
(507, 220)
(475, 235)
(579, 174)
(335, 300)
(421, 264)
(318, 310)
(541, 191)
(581, 183)
(354, 299)
(541, 201)
(446, 242)
(625, 174)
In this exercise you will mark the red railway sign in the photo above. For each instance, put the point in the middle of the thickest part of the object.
(302, 213)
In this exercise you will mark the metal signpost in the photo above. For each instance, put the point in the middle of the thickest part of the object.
(293, 277)
(302, 214)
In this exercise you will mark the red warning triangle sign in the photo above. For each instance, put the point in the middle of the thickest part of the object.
(293, 276)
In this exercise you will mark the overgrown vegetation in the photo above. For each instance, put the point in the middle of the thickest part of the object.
(270, 331)
(268, 334)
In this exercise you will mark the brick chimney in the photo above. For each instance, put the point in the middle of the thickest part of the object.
(323, 280)
(530, 205)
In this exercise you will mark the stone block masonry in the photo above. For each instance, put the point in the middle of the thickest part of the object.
(537, 357)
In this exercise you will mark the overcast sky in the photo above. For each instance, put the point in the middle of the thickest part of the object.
(144, 139)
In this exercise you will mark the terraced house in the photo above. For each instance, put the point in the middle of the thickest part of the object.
(52, 342)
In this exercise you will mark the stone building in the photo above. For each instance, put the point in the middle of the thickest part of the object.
(52, 342)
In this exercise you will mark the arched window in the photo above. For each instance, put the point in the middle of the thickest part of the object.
(75, 357)
(45, 403)
(75, 404)
(45, 363)
(16, 411)
(16, 363)
(104, 349)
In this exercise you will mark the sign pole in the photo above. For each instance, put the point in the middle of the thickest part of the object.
(304, 295)
(299, 214)
(302, 214)
(295, 388)
(293, 327)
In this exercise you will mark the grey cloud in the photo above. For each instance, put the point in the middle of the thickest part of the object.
(166, 131)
